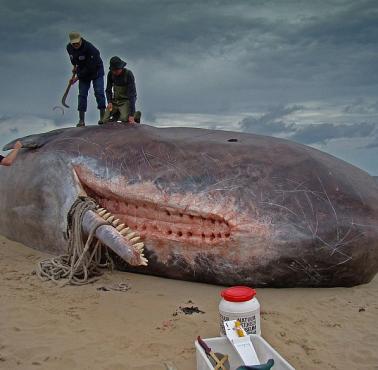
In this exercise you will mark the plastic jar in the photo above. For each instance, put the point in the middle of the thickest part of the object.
(240, 303)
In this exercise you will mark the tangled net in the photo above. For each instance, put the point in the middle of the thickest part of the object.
(81, 265)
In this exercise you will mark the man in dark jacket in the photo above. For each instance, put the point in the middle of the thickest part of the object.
(89, 68)
(121, 93)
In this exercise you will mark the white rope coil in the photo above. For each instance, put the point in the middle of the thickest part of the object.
(81, 265)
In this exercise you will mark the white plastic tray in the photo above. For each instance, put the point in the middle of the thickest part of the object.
(222, 345)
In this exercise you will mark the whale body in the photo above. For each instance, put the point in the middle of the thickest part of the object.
(211, 206)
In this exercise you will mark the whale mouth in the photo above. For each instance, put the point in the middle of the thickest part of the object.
(156, 221)
(156, 217)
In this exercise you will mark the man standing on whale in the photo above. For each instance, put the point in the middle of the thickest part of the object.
(88, 67)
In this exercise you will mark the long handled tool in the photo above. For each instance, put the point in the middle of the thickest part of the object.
(67, 91)
(218, 360)
(244, 347)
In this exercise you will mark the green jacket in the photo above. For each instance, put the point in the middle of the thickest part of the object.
(120, 88)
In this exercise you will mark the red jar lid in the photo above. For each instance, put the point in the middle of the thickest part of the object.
(238, 294)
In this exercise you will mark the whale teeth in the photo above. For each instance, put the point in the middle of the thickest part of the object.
(120, 227)
(139, 246)
(106, 215)
(144, 261)
(98, 210)
(134, 240)
(115, 222)
(102, 212)
(131, 235)
(110, 219)
(125, 231)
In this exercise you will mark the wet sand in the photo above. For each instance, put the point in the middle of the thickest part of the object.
(43, 326)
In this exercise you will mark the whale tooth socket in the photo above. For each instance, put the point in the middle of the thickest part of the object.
(134, 240)
(115, 222)
(125, 231)
(106, 215)
(131, 235)
(110, 219)
(120, 227)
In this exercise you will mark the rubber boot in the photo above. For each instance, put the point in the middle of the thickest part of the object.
(81, 119)
(102, 113)
(137, 116)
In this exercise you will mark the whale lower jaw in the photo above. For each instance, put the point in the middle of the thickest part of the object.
(120, 239)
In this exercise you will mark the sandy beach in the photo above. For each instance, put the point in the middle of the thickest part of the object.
(43, 326)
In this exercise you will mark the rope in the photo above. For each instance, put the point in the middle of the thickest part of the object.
(81, 265)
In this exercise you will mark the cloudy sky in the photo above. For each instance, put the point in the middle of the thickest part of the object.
(302, 70)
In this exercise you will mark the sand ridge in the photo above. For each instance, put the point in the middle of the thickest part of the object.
(43, 326)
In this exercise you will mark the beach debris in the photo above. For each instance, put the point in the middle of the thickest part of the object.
(361, 309)
(191, 310)
(188, 310)
(169, 366)
(166, 325)
(120, 287)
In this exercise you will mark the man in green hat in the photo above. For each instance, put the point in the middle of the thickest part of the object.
(120, 93)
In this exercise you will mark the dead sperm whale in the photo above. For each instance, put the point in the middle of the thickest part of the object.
(203, 205)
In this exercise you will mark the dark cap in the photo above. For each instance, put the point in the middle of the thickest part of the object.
(116, 63)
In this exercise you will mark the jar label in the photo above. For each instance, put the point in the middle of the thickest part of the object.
(248, 323)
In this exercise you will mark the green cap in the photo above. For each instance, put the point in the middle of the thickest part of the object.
(74, 37)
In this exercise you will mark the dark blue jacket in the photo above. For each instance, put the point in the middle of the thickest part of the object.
(87, 59)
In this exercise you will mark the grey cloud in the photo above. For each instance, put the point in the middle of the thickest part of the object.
(321, 133)
(270, 123)
(275, 122)
(373, 144)
(360, 106)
